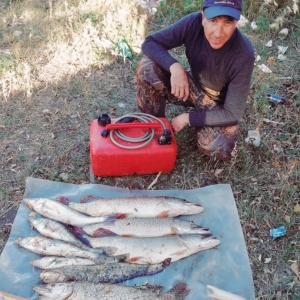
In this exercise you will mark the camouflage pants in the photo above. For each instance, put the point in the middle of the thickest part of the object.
(154, 89)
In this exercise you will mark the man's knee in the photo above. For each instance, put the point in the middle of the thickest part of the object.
(218, 142)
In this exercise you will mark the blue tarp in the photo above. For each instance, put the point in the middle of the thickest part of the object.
(225, 267)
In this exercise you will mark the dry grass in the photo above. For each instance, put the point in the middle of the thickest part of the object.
(64, 70)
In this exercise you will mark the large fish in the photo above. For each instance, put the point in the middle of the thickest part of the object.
(144, 227)
(55, 230)
(105, 273)
(137, 207)
(46, 246)
(54, 262)
(59, 212)
(149, 250)
(105, 291)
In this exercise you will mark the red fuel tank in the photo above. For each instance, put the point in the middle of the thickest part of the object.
(109, 159)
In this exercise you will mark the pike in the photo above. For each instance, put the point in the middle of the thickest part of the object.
(46, 246)
(54, 262)
(136, 207)
(106, 273)
(59, 212)
(92, 291)
(58, 231)
(55, 230)
(144, 227)
(149, 250)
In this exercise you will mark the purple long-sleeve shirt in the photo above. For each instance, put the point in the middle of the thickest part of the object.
(227, 70)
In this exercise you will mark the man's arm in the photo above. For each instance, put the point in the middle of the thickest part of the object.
(235, 102)
(179, 82)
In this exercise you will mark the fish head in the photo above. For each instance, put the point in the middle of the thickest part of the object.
(184, 207)
(34, 203)
(199, 241)
(37, 221)
(57, 291)
(44, 262)
(23, 241)
(182, 226)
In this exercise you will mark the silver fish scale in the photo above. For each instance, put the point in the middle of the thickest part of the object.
(154, 249)
(54, 262)
(82, 291)
(138, 207)
(144, 227)
(46, 246)
(109, 273)
(59, 212)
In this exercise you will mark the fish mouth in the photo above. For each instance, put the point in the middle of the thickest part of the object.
(193, 204)
(207, 236)
(28, 203)
(42, 290)
(211, 241)
(18, 241)
(195, 226)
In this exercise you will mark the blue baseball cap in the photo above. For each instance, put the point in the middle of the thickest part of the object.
(215, 8)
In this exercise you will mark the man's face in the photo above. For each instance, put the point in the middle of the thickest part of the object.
(218, 30)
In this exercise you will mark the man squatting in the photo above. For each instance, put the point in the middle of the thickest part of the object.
(221, 61)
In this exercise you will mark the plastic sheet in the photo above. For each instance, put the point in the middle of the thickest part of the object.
(226, 267)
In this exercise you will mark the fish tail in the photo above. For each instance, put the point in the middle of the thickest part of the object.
(79, 234)
(103, 232)
(180, 290)
(64, 200)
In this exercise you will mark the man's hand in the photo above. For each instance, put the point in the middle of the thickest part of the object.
(179, 82)
(180, 122)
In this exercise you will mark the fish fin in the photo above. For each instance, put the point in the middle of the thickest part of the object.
(180, 290)
(121, 258)
(133, 259)
(89, 198)
(80, 234)
(127, 235)
(179, 253)
(112, 250)
(121, 216)
(64, 200)
(103, 232)
(163, 214)
(166, 262)
(105, 258)
(111, 219)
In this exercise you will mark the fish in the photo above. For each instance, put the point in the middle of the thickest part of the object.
(105, 273)
(58, 231)
(218, 294)
(136, 207)
(54, 262)
(149, 250)
(55, 230)
(144, 227)
(106, 291)
(59, 212)
(46, 246)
